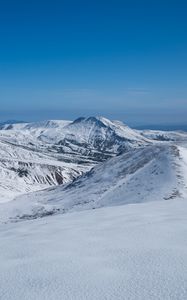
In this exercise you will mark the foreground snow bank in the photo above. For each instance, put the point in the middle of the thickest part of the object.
(134, 252)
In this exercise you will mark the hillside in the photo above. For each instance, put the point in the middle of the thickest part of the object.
(152, 173)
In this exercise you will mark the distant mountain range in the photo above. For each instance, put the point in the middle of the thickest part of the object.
(164, 127)
(2, 123)
(182, 127)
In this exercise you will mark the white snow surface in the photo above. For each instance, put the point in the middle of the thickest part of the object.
(133, 252)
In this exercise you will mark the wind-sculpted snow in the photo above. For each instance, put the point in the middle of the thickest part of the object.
(133, 252)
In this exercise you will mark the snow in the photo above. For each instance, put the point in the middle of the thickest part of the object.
(43, 149)
(183, 154)
(41, 170)
(82, 130)
(164, 135)
(106, 232)
(133, 252)
(151, 173)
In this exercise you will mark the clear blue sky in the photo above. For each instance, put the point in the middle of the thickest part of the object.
(125, 60)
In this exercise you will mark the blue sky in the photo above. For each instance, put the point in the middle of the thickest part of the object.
(125, 60)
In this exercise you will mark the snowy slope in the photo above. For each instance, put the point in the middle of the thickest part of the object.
(24, 170)
(150, 173)
(134, 252)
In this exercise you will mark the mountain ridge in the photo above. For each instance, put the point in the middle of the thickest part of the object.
(152, 173)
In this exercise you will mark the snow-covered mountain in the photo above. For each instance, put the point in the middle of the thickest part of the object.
(9, 122)
(95, 137)
(54, 167)
(96, 162)
(34, 156)
(159, 135)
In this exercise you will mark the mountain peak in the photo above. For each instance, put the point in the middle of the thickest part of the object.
(78, 120)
